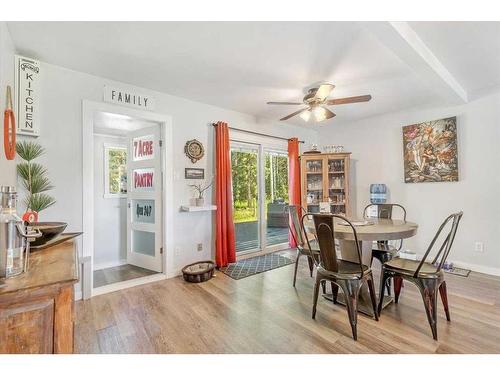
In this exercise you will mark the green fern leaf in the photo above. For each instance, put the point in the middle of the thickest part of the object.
(28, 150)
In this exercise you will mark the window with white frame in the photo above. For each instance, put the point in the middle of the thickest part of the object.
(115, 171)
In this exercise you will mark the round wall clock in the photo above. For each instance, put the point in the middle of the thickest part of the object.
(194, 150)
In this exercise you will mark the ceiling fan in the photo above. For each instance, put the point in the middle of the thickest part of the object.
(316, 99)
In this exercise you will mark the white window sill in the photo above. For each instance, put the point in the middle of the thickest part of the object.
(114, 196)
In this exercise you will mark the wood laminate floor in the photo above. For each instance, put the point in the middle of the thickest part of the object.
(265, 314)
(124, 272)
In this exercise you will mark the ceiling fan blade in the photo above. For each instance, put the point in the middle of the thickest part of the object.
(323, 91)
(285, 103)
(328, 114)
(294, 114)
(352, 99)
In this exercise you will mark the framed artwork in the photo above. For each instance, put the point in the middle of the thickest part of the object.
(430, 151)
(194, 173)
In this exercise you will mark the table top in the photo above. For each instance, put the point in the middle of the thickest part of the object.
(57, 264)
(380, 230)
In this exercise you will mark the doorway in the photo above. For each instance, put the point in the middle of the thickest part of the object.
(260, 197)
(128, 239)
(143, 216)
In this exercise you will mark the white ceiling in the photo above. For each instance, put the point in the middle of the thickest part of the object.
(119, 125)
(241, 65)
(469, 50)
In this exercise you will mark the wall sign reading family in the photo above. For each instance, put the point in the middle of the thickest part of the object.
(128, 97)
(143, 147)
(143, 179)
(27, 95)
(144, 211)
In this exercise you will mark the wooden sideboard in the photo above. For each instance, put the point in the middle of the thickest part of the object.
(36, 308)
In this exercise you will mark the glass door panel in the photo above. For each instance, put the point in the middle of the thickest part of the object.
(245, 177)
(314, 184)
(336, 186)
(276, 192)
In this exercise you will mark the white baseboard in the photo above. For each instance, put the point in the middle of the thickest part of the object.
(100, 266)
(78, 295)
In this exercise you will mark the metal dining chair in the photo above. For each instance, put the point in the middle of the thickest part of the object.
(349, 276)
(384, 251)
(305, 247)
(428, 277)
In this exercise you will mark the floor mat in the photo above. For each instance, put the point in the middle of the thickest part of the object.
(253, 266)
(458, 271)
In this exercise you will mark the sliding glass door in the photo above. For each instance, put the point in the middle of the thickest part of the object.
(246, 213)
(276, 190)
(260, 224)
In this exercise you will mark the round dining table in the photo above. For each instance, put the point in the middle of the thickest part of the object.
(368, 231)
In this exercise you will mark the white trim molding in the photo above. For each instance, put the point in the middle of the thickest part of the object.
(165, 121)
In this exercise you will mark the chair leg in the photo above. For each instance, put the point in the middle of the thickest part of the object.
(428, 289)
(398, 282)
(315, 296)
(351, 290)
(383, 278)
(296, 267)
(323, 286)
(311, 265)
(388, 285)
(335, 292)
(371, 288)
(444, 298)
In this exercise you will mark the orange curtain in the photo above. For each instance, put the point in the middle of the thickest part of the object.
(293, 179)
(225, 247)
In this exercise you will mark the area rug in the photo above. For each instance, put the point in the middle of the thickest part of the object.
(458, 271)
(253, 266)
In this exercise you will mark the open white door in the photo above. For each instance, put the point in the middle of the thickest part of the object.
(144, 198)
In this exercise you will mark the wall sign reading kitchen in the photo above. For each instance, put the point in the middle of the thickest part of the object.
(27, 82)
(128, 97)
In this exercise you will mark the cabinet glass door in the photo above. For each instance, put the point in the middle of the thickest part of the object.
(336, 186)
(314, 184)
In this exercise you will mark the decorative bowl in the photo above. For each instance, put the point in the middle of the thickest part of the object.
(199, 271)
(50, 230)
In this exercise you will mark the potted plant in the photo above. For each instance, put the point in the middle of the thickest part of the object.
(34, 177)
(200, 189)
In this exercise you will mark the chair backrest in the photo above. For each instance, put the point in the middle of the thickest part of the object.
(445, 248)
(325, 232)
(384, 210)
(295, 213)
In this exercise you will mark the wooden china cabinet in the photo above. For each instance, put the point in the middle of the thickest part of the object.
(325, 178)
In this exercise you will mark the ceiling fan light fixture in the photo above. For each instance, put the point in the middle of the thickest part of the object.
(306, 115)
(319, 114)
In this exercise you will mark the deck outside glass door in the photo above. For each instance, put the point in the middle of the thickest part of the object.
(144, 199)
(260, 223)
(245, 162)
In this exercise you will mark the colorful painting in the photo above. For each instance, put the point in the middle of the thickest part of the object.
(430, 151)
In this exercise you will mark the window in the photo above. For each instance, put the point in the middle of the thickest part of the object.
(115, 171)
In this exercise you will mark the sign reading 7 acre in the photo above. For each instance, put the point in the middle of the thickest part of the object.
(143, 147)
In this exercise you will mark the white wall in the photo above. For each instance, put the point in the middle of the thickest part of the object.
(110, 214)
(62, 92)
(377, 151)
(7, 50)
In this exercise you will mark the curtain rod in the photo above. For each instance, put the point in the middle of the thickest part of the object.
(261, 134)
